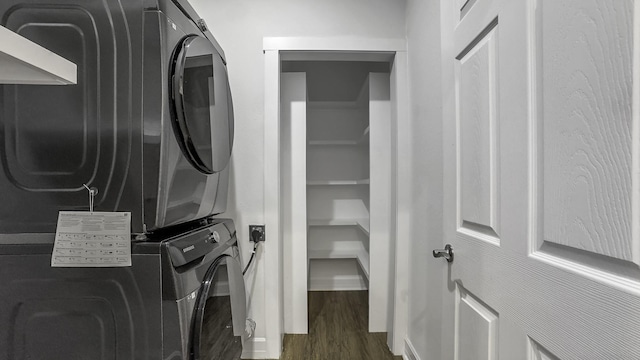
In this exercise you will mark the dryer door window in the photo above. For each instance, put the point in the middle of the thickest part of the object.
(200, 104)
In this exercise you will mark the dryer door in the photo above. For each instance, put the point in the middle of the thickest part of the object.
(201, 104)
(220, 314)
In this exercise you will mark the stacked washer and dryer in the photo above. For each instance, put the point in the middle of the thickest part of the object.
(150, 126)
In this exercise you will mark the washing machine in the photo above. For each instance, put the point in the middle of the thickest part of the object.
(149, 124)
(203, 281)
(182, 298)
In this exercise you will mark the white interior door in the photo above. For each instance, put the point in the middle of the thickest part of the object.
(542, 161)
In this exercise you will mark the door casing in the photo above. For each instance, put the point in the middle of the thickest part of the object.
(274, 48)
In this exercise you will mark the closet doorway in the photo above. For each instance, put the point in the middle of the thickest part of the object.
(331, 179)
(335, 128)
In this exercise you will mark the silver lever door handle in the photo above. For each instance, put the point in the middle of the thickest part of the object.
(447, 253)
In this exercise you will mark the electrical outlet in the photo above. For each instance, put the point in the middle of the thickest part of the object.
(256, 233)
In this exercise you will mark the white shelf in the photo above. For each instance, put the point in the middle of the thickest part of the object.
(360, 255)
(324, 105)
(333, 142)
(338, 182)
(362, 224)
(25, 62)
(364, 139)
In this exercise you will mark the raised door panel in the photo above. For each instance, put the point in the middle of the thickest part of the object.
(478, 170)
(476, 334)
(585, 128)
(461, 4)
(537, 352)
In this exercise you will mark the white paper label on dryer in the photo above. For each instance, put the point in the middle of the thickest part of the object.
(92, 239)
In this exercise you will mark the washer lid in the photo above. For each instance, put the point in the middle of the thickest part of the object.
(201, 106)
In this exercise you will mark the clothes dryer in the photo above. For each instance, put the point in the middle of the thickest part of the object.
(149, 123)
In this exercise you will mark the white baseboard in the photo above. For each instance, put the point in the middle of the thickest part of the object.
(409, 351)
(255, 348)
(340, 283)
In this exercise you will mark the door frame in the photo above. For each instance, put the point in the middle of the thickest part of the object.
(273, 47)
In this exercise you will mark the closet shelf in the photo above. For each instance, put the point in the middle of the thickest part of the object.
(364, 139)
(361, 255)
(362, 224)
(25, 62)
(331, 105)
(338, 182)
(333, 142)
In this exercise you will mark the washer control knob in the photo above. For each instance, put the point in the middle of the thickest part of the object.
(215, 236)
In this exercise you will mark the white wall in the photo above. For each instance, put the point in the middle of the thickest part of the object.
(239, 26)
(427, 273)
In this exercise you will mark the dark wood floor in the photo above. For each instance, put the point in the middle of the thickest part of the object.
(218, 342)
(338, 323)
